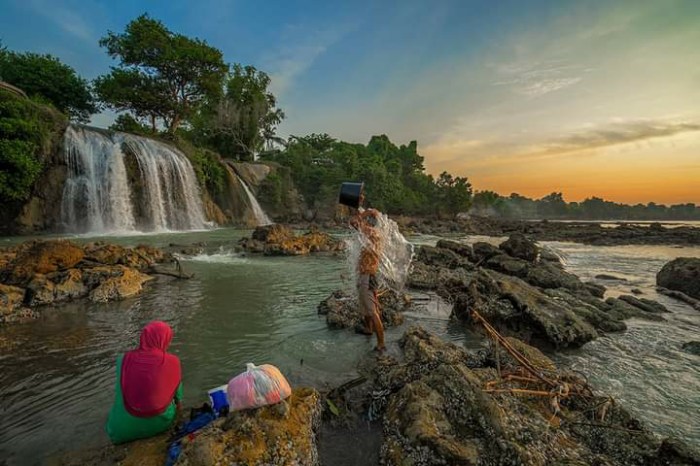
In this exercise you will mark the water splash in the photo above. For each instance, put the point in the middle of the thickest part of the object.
(395, 254)
(99, 196)
(261, 217)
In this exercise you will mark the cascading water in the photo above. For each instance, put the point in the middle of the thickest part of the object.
(99, 195)
(261, 217)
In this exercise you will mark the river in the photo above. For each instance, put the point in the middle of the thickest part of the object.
(56, 383)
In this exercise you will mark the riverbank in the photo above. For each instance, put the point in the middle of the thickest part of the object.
(250, 308)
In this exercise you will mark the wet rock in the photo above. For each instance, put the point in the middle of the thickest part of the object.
(595, 289)
(622, 309)
(692, 347)
(430, 255)
(280, 240)
(464, 250)
(636, 291)
(508, 265)
(680, 296)
(429, 277)
(123, 283)
(342, 309)
(261, 436)
(12, 308)
(42, 257)
(681, 274)
(513, 306)
(484, 251)
(549, 256)
(646, 305)
(605, 276)
(521, 247)
(438, 412)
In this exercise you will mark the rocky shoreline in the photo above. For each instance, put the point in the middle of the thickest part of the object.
(36, 274)
(595, 234)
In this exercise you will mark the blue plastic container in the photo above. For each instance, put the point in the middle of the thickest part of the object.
(218, 397)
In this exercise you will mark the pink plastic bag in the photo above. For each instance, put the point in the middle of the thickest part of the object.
(257, 386)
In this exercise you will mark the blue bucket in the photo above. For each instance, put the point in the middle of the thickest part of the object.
(218, 397)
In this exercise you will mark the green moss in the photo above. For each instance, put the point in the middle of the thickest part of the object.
(208, 167)
(28, 134)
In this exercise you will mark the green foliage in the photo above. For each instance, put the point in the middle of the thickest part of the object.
(26, 131)
(394, 176)
(128, 124)
(208, 167)
(162, 76)
(45, 78)
(245, 117)
(553, 206)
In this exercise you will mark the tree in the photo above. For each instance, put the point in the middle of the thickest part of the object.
(453, 194)
(45, 78)
(128, 124)
(162, 76)
(240, 123)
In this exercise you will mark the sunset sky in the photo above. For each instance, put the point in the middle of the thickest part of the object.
(582, 97)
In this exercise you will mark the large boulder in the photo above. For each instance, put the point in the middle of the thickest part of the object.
(343, 311)
(681, 274)
(124, 282)
(42, 257)
(519, 246)
(280, 434)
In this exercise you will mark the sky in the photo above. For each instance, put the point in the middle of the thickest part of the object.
(588, 98)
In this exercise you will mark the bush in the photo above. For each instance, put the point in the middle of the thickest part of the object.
(27, 131)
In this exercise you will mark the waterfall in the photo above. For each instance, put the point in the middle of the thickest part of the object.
(101, 194)
(261, 217)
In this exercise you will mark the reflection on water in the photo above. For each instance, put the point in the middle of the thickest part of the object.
(56, 383)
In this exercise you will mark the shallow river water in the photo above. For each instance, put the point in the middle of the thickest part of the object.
(56, 382)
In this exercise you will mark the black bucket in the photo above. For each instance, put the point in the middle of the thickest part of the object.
(350, 194)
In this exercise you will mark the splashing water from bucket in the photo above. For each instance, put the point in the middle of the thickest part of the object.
(395, 254)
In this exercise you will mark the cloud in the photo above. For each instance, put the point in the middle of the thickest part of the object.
(64, 17)
(618, 133)
(538, 79)
(302, 46)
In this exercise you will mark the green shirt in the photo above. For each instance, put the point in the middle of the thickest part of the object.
(123, 427)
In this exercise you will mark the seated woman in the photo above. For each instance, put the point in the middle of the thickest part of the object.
(148, 389)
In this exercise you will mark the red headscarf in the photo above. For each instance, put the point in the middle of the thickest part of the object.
(150, 376)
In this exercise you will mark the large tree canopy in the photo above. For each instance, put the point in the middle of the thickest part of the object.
(238, 124)
(162, 76)
(45, 78)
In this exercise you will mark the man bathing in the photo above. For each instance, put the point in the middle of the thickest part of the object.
(366, 222)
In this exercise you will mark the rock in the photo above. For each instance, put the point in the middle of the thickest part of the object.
(430, 255)
(139, 257)
(636, 291)
(622, 309)
(516, 308)
(464, 250)
(692, 347)
(42, 257)
(438, 412)
(595, 289)
(551, 257)
(547, 275)
(484, 251)
(40, 291)
(428, 277)
(261, 436)
(342, 310)
(646, 305)
(681, 274)
(12, 308)
(508, 265)
(605, 276)
(123, 283)
(519, 246)
(695, 303)
(279, 240)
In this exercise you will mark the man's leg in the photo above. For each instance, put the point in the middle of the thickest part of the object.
(377, 321)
